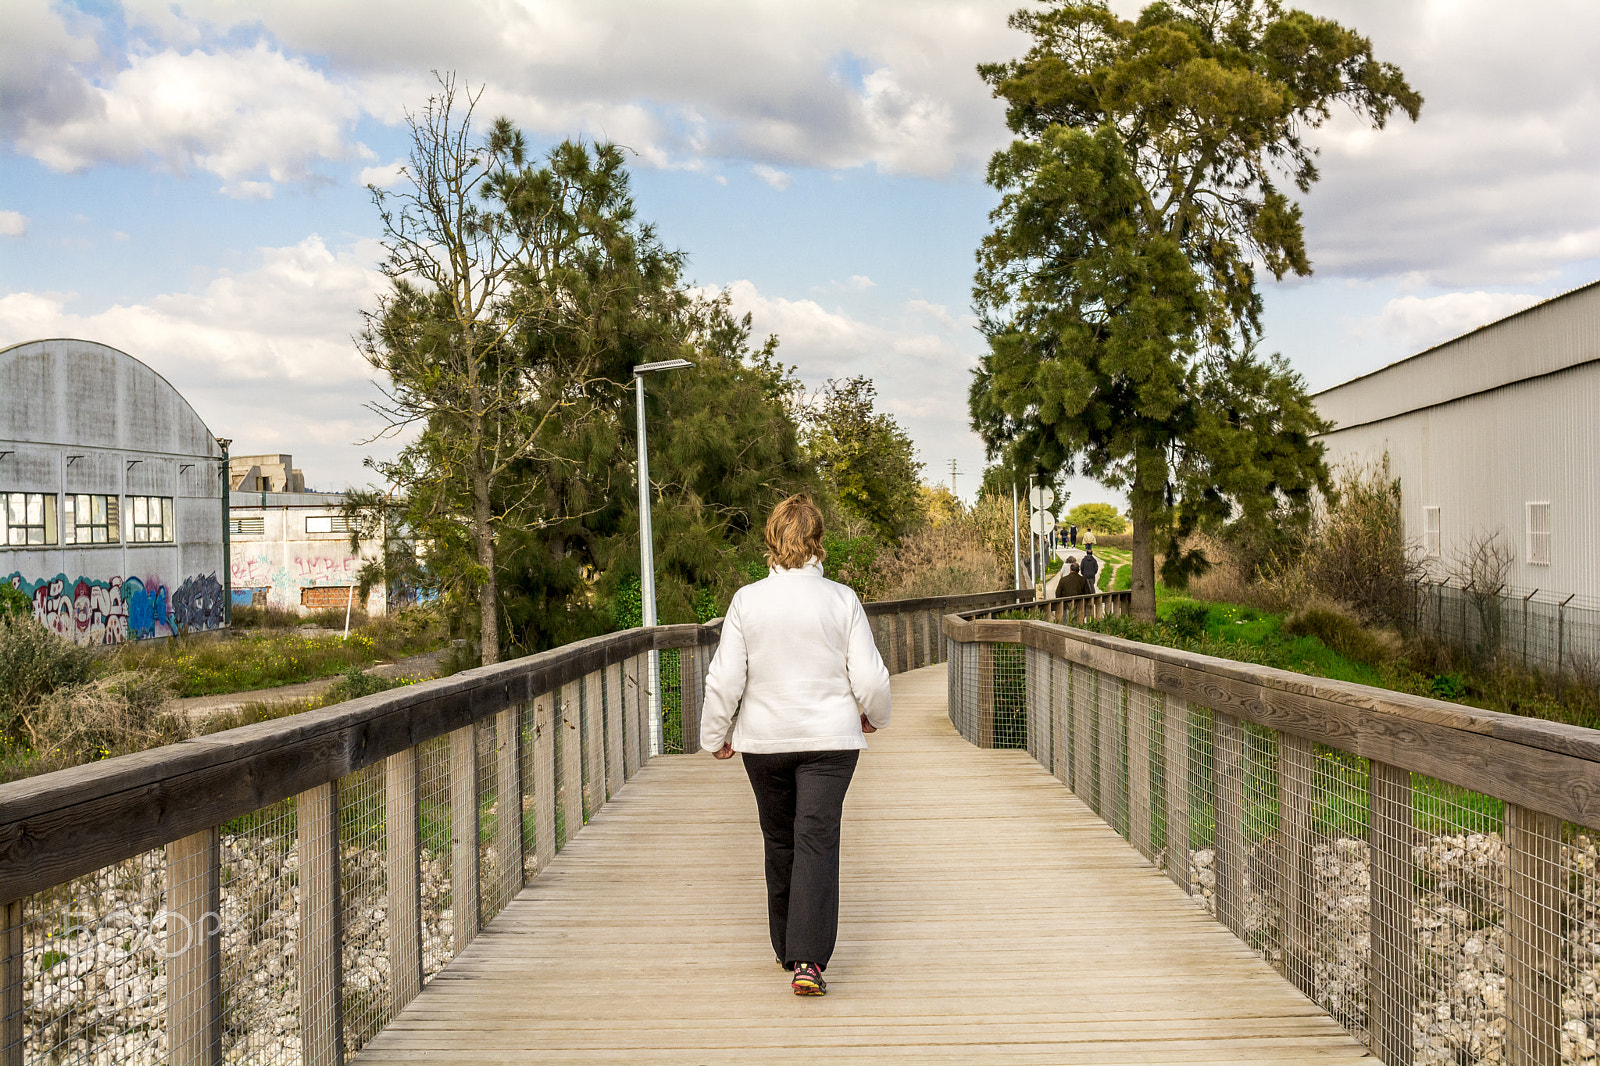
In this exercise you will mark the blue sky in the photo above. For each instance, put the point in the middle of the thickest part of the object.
(185, 181)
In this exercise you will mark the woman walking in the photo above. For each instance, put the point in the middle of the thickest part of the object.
(798, 664)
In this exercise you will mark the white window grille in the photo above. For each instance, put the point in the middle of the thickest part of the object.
(1432, 542)
(27, 518)
(247, 527)
(1539, 535)
(151, 519)
(91, 519)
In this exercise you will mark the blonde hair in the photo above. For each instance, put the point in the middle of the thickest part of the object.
(794, 533)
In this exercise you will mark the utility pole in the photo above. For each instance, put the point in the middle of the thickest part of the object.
(953, 473)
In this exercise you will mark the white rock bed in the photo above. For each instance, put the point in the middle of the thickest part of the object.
(102, 999)
(1459, 916)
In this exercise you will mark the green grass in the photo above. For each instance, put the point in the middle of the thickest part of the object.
(204, 666)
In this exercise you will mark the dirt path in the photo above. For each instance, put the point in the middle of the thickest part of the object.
(419, 667)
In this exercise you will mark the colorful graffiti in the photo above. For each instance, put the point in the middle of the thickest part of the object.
(198, 603)
(91, 611)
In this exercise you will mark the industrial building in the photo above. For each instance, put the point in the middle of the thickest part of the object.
(292, 549)
(111, 495)
(1493, 432)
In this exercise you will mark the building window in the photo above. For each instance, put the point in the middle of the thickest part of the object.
(247, 527)
(1539, 535)
(152, 519)
(27, 518)
(1432, 543)
(336, 523)
(91, 520)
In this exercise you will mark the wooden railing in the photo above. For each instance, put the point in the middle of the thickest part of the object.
(1424, 871)
(278, 892)
(1063, 609)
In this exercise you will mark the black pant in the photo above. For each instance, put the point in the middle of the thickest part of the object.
(800, 796)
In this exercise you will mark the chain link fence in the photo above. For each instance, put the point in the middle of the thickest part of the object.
(1552, 633)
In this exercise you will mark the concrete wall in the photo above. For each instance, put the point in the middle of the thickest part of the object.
(82, 417)
(279, 564)
(1486, 424)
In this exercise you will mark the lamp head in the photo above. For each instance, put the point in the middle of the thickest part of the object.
(665, 364)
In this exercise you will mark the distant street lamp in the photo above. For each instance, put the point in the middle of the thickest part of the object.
(647, 557)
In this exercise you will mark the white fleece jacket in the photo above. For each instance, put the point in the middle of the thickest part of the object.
(798, 663)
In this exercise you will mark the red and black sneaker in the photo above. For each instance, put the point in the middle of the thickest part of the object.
(808, 980)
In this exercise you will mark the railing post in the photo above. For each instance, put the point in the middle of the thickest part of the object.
(930, 638)
(1109, 709)
(641, 706)
(544, 779)
(615, 687)
(12, 1032)
(1296, 799)
(1533, 937)
(594, 745)
(690, 661)
(194, 963)
(508, 803)
(1139, 805)
(1060, 733)
(570, 753)
(985, 679)
(319, 955)
(1175, 732)
(403, 874)
(464, 872)
(1083, 696)
(1391, 997)
(632, 697)
(1228, 839)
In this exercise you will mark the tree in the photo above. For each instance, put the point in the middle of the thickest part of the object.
(865, 458)
(1117, 290)
(517, 295)
(1100, 517)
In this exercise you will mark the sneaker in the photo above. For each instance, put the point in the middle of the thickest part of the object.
(808, 980)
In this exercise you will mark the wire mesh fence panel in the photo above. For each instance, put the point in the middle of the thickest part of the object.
(1084, 761)
(435, 859)
(1061, 720)
(1139, 777)
(260, 934)
(94, 966)
(671, 702)
(569, 763)
(1008, 684)
(1202, 808)
(368, 1001)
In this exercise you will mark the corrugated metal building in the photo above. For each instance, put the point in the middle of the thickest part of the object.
(111, 495)
(1493, 431)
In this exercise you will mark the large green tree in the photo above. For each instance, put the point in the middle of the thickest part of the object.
(1118, 290)
(867, 460)
(521, 293)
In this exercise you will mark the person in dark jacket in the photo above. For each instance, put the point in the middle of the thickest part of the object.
(1089, 565)
(1074, 584)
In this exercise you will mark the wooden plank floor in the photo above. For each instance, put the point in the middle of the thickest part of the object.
(987, 916)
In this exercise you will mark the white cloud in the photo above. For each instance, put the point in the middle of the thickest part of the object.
(860, 281)
(247, 116)
(13, 224)
(1421, 322)
(384, 177)
(264, 355)
(772, 176)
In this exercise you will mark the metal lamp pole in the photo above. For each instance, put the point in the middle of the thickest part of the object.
(1016, 537)
(647, 555)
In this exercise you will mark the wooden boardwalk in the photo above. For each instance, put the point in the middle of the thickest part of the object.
(988, 916)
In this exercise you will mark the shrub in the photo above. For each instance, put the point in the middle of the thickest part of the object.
(951, 559)
(124, 711)
(1187, 620)
(34, 662)
(266, 617)
(14, 602)
(1339, 631)
(1358, 553)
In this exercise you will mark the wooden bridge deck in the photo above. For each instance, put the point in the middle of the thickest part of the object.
(988, 916)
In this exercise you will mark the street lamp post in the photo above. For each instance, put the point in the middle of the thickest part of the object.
(647, 557)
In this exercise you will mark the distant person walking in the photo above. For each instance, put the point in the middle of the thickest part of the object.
(1088, 538)
(798, 662)
(1072, 533)
(1089, 564)
(1074, 584)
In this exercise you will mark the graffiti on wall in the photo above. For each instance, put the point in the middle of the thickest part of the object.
(91, 611)
(281, 585)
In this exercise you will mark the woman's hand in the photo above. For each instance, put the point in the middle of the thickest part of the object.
(724, 752)
(867, 726)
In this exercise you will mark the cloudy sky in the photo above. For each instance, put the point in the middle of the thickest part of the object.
(185, 181)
